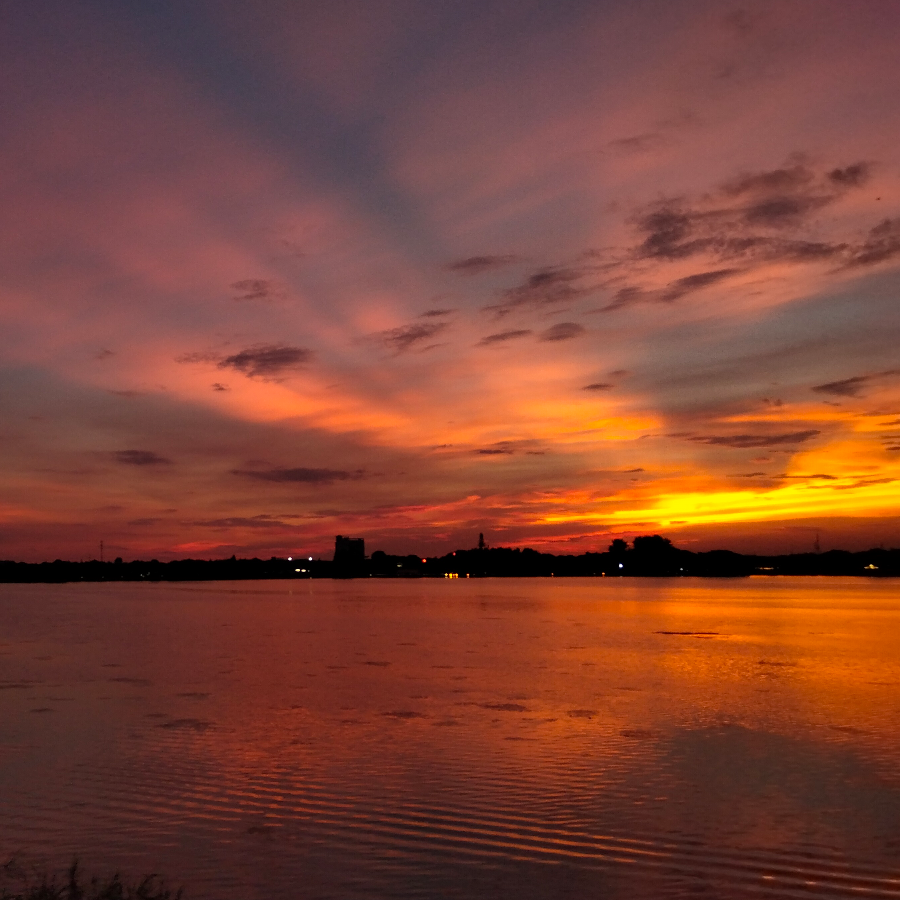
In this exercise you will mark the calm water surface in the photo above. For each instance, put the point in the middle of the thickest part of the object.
(508, 738)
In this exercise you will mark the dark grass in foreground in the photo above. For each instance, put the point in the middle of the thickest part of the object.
(73, 887)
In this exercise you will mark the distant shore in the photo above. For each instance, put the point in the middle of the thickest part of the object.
(661, 560)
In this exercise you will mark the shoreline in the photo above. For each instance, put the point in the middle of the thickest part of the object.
(496, 562)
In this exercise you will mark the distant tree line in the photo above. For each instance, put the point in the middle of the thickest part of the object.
(648, 556)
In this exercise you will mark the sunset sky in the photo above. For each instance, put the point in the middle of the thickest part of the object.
(557, 272)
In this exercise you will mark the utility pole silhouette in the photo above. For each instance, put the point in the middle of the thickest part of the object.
(101, 551)
(816, 545)
(480, 541)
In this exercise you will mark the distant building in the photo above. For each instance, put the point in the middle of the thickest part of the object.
(349, 555)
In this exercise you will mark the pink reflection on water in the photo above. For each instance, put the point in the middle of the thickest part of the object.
(439, 738)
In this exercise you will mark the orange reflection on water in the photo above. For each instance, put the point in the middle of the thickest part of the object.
(235, 735)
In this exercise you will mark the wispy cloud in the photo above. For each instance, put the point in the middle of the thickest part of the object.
(267, 360)
(850, 176)
(681, 287)
(853, 387)
(475, 265)
(881, 243)
(562, 331)
(638, 143)
(675, 290)
(260, 521)
(745, 219)
(408, 337)
(501, 337)
(746, 223)
(299, 475)
(545, 287)
(747, 441)
(140, 458)
(847, 387)
(258, 289)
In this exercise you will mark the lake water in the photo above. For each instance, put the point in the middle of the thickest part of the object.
(516, 738)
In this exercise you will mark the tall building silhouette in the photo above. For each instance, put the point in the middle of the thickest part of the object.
(349, 556)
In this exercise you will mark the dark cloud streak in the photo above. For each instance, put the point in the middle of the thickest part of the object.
(747, 441)
(848, 387)
(691, 283)
(266, 360)
(850, 176)
(406, 337)
(299, 475)
(563, 331)
(545, 287)
(475, 265)
(734, 222)
(261, 521)
(638, 143)
(503, 336)
(141, 458)
(775, 181)
(258, 289)
(754, 219)
(881, 243)
(677, 289)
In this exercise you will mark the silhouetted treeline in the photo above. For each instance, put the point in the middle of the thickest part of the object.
(232, 569)
(648, 556)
